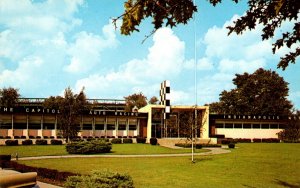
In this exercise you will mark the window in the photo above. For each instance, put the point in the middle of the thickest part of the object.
(282, 126)
(111, 127)
(273, 126)
(34, 126)
(132, 127)
(247, 126)
(99, 126)
(122, 127)
(5, 126)
(47, 126)
(238, 126)
(20, 126)
(219, 125)
(229, 125)
(87, 127)
(256, 126)
(265, 126)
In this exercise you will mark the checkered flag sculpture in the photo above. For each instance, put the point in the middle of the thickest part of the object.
(165, 97)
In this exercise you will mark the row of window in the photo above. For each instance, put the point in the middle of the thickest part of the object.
(249, 126)
(51, 126)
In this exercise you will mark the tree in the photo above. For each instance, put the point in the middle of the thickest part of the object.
(270, 13)
(291, 133)
(71, 106)
(153, 100)
(9, 97)
(136, 99)
(262, 93)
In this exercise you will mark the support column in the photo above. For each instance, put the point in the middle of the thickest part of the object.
(105, 127)
(27, 127)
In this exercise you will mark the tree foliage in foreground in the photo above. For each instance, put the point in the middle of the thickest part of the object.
(262, 93)
(9, 97)
(270, 13)
(70, 107)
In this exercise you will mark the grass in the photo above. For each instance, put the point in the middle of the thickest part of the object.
(117, 149)
(250, 165)
(33, 150)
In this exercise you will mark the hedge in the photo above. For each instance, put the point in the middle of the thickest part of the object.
(88, 147)
(41, 142)
(140, 140)
(127, 140)
(11, 142)
(116, 141)
(103, 179)
(231, 145)
(56, 142)
(153, 141)
(27, 142)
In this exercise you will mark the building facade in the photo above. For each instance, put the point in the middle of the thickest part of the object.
(108, 119)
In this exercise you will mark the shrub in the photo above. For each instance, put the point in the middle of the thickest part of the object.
(23, 137)
(226, 141)
(231, 145)
(256, 140)
(4, 161)
(243, 140)
(46, 137)
(104, 139)
(127, 141)
(31, 137)
(153, 141)
(100, 179)
(270, 140)
(8, 137)
(56, 142)
(38, 137)
(88, 147)
(41, 142)
(17, 137)
(11, 142)
(116, 141)
(27, 142)
(198, 146)
(141, 140)
(5, 157)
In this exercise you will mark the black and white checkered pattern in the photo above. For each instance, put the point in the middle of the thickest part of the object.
(165, 97)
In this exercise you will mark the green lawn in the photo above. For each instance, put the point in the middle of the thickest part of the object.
(33, 150)
(117, 149)
(250, 165)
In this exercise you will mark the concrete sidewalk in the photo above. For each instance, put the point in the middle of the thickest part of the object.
(213, 151)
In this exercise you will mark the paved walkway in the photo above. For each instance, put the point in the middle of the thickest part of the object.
(213, 151)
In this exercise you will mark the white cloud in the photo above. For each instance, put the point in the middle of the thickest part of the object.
(164, 60)
(86, 51)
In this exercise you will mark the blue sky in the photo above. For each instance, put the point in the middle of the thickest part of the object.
(47, 46)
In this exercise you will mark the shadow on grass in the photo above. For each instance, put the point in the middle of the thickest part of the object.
(286, 184)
